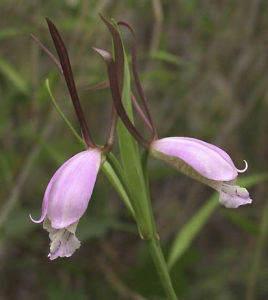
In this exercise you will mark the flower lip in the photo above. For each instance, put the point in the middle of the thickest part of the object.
(208, 160)
(63, 241)
(232, 196)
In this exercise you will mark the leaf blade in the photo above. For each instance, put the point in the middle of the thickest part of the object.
(189, 231)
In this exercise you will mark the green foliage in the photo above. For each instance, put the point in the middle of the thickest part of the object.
(190, 230)
(11, 32)
(168, 58)
(13, 76)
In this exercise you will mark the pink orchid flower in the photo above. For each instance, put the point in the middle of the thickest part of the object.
(66, 199)
(206, 163)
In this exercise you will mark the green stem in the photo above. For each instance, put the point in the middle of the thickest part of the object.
(114, 179)
(153, 242)
(144, 161)
(161, 267)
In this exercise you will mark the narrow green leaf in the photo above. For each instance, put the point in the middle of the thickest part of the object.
(169, 58)
(249, 181)
(131, 160)
(10, 32)
(113, 178)
(117, 168)
(189, 231)
(242, 222)
(60, 112)
(13, 76)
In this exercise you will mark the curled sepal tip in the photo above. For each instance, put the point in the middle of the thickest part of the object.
(243, 170)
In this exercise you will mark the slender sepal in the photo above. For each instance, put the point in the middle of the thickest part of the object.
(68, 75)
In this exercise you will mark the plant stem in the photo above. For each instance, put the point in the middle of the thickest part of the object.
(161, 267)
(153, 242)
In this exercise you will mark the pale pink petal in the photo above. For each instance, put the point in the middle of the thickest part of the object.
(47, 192)
(208, 160)
(222, 153)
(70, 191)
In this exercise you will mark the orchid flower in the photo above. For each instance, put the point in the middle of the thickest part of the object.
(205, 163)
(66, 199)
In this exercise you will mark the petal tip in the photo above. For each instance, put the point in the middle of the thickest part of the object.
(243, 170)
(37, 221)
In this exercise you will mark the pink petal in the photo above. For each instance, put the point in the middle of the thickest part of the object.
(47, 192)
(208, 160)
(213, 147)
(71, 187)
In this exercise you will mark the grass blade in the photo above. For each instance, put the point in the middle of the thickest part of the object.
(189, 231)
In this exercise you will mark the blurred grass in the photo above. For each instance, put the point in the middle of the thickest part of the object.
(195, 224)
(204, 69)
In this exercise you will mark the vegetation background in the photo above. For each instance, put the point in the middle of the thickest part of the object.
(204, 69)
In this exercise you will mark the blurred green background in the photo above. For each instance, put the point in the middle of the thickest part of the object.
(204, 69)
